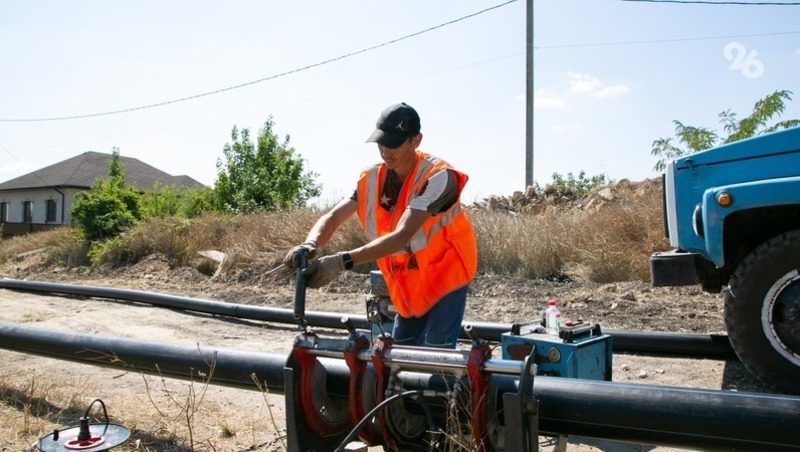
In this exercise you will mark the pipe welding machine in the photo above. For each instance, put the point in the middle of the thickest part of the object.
(458, 404)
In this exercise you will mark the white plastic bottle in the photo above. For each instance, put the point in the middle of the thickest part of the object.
(552, 317)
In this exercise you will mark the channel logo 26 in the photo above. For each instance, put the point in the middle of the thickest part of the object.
(742, 60)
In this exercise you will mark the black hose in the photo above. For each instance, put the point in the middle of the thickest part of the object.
(392, 399)
(105, 413)
(103, 405)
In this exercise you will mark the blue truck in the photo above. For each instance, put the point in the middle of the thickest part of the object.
(732, 214)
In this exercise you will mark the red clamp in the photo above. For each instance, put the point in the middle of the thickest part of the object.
(315, 420)
(379, 349)
(358, 408)
(479, 385)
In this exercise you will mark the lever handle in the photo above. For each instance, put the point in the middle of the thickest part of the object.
(300, 289)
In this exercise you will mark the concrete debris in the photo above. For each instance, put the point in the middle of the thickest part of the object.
(535, 202)
(36, 252)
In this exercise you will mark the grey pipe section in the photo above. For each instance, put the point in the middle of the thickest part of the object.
(680, 344)
(704, 419)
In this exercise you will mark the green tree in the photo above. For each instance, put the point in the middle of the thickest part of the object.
(696, 139)
(109, 206)
(269, 175)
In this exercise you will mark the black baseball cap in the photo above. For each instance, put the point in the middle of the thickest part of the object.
(395, 124)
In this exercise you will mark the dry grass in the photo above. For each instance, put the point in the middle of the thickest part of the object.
(164, 415)
(249, 236)
(610, 242)
(31, 409)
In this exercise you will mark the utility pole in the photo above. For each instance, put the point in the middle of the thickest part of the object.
(529, 97)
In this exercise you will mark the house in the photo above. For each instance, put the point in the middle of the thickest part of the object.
(42, 199)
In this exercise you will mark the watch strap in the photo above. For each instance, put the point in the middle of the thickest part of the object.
(348, 261)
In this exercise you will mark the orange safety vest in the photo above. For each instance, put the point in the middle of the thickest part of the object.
(441, 256)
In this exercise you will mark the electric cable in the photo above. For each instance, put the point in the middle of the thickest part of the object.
(260, 80)
(105, 412)
(701, 2)
(659, 41)
(392, 399)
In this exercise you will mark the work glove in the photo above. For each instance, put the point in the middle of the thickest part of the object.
(323, 270)
(290, 261)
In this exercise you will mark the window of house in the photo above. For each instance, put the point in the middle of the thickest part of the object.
(51, 210)
(3, 212)
(27, 211)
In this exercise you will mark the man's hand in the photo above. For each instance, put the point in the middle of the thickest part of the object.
(323, 270)
(290, 261)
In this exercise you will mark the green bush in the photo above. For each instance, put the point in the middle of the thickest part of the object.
(109, 207)
(199, 201)
(581, 185)
(167, 201)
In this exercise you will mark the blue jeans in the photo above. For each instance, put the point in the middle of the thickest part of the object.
(439, 327)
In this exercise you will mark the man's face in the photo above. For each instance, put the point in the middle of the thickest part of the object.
(402, 158)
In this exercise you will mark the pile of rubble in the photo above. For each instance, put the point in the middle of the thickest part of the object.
(537, 201)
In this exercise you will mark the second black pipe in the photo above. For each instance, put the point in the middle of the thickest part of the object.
(643, 342)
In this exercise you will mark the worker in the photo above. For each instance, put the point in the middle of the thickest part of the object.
(417, 231)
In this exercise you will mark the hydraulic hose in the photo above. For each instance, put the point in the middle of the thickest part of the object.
(385, 403)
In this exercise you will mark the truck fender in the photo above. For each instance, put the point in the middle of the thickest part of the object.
(745, 196)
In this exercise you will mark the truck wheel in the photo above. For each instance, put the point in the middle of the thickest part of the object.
(762, 311)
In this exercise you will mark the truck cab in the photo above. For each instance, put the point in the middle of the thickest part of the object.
(732, 214)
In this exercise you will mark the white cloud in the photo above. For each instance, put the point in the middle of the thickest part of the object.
(797, 51)
(593, 86)
(561, 128)
(582, 83)
(545, 98)
(611, 91)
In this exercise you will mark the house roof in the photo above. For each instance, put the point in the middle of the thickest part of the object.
(82, 170)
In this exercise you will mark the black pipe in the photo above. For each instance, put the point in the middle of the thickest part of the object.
(705, 419)
(644, 342)
(187, 362)
(240, 311)
(692, 418)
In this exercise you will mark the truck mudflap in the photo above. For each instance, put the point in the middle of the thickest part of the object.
(673, 268)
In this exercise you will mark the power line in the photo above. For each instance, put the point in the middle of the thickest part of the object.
(260, 109)
(35, 173)
(659, 41)
(698, 2)
(264, 79)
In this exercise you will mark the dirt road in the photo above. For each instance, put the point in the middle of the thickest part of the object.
(169, 415)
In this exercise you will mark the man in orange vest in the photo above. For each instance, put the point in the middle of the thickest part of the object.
(417, 232)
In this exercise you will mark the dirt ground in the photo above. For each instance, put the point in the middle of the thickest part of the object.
(41, 394)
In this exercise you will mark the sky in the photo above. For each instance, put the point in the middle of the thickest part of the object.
(609, 77)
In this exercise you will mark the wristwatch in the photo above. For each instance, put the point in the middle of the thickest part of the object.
(348, 261)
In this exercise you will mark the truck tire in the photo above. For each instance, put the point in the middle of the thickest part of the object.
(762, 312)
